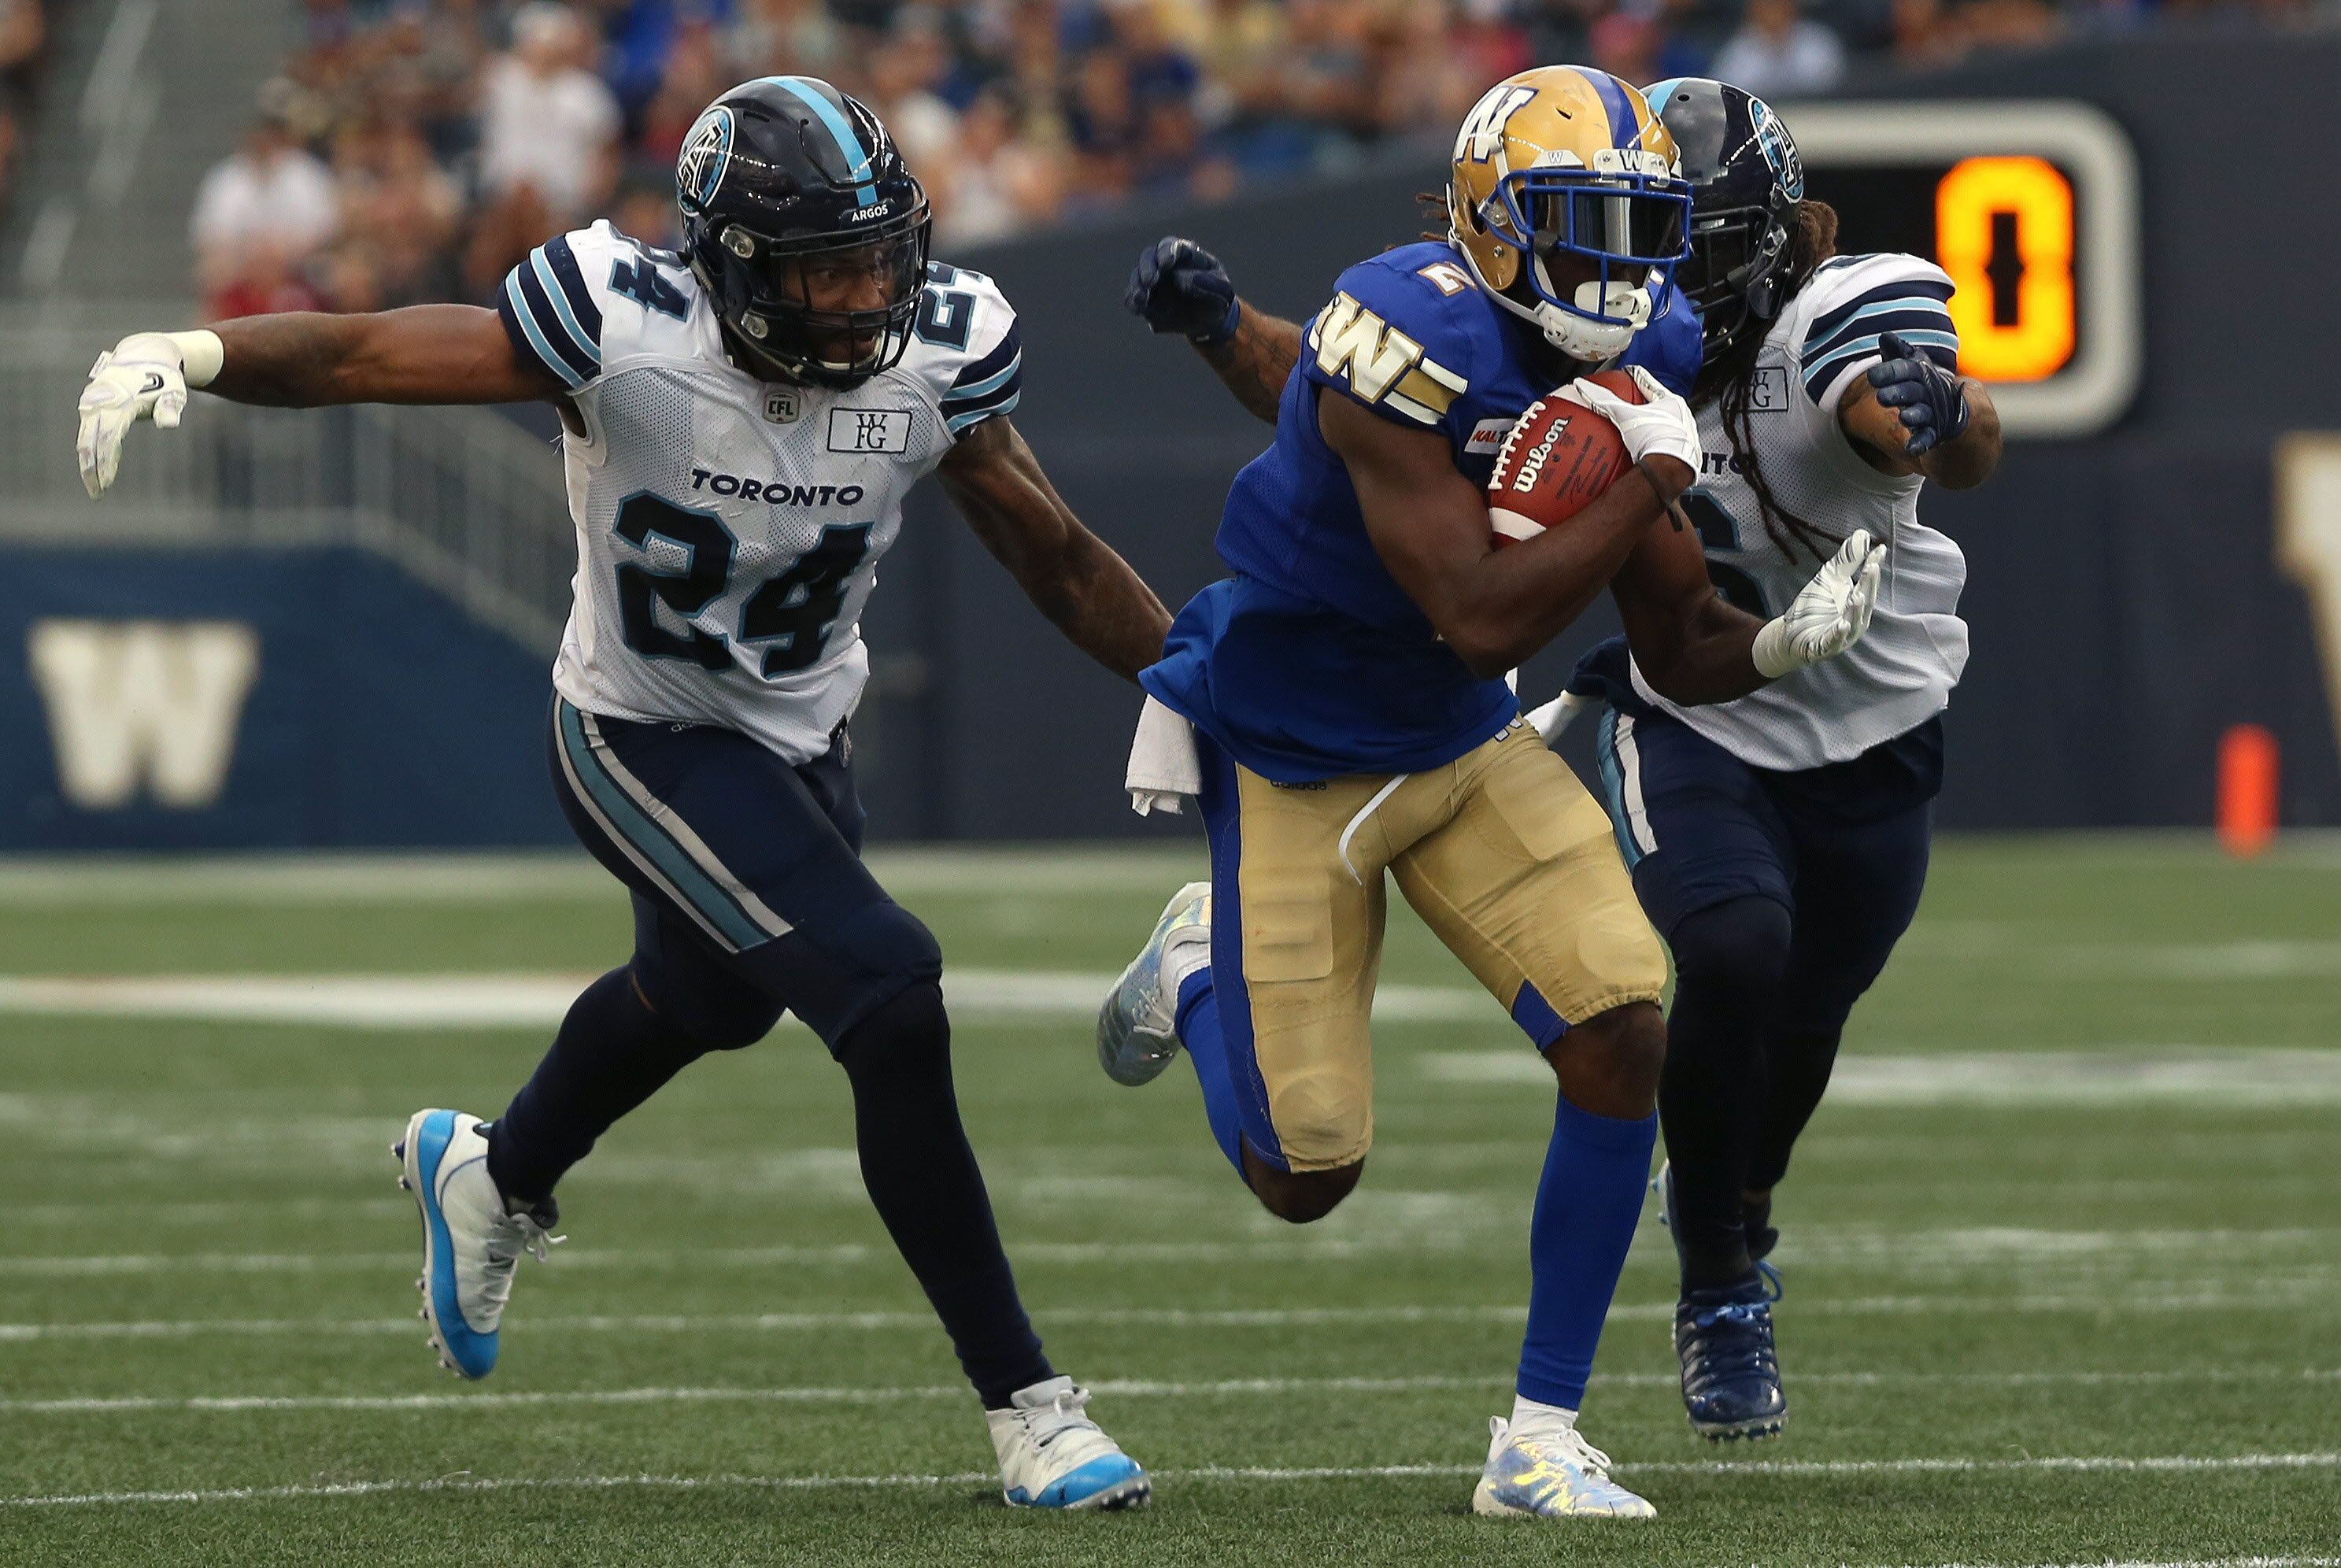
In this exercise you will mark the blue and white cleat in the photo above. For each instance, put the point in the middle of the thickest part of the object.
(1730, 1367)
(470, 1242)
(1053, 1456)
(1551, 1474)
(1138, 1033)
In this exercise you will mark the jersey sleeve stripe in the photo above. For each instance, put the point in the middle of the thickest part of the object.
(528, 294)
(583, 311)
(1942, 347)
(966, 391)
(1916, 290)
(528, 340)
(551, 288)
(959, 422)
(1004, 355)
(1419, 386)
(1398, 401)
(1889, 315)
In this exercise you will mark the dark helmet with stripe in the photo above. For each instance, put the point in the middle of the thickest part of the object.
(1746, 182)
(805, 228)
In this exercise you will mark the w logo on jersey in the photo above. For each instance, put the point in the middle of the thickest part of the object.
(706, 153)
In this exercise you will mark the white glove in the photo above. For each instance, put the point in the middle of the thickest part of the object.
(1828, 615)
(144, 376)
(1661, 425)
(1557, 715)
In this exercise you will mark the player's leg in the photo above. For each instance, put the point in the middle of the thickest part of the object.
(1526, 887)
(1272, 1009)
(1857, 888)
(762, 859)
(1712, 863)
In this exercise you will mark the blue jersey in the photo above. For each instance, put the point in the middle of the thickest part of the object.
(1311, 661)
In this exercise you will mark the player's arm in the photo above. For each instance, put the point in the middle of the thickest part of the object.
(1179, 286)
(1693, 647)
(1071, 575)
(1430, 525)
(1909, 414)
(443, 354)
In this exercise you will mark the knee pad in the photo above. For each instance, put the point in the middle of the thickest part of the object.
(713, 1009)
(887, 939)
(907, 1033)
(1739, 948)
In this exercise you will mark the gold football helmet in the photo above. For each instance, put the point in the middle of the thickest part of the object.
(1565, 160)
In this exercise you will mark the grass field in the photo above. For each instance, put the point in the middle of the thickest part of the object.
(2064, 1268)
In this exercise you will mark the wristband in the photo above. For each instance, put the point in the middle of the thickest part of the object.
(201, 355)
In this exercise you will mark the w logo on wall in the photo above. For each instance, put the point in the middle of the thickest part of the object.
(143, 707)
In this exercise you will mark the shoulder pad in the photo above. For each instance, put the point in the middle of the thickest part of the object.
(1849, 301)
(582, 298)
(1400, 335)
(965, 348)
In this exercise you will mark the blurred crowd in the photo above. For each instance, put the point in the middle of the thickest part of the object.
(24, 34)
(415, 149)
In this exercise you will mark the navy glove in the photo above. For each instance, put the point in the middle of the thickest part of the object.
(1932, 401)
(1179, 286)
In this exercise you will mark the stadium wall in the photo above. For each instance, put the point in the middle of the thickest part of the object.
(2127, 598)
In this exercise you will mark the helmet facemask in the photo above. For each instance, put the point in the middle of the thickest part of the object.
(771, 289)
(1626, 216)
(1733, 271)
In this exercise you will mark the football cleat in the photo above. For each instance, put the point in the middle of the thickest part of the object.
(470, 1243)
(1551, 1473)
(1052, 1455)
(1730, 1368)
(1138, 1028)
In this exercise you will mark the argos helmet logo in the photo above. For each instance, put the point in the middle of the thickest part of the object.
(706, 153)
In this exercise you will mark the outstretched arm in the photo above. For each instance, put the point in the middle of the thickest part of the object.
(1070, 574)
(1179, 286)
(428, 354)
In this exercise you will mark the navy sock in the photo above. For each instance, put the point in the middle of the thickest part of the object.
(1198, 1032)
(612, 1053)
(1586, 1205)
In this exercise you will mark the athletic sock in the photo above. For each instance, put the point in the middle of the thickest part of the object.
(923, 1180)
(1586, 1205)
(1711, 1091)
(1198, 1032)
(613, 1052)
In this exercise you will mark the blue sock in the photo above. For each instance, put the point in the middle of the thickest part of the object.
(1198, 1032)
(1586, 1205)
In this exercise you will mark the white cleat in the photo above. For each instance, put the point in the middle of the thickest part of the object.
(470, 1243)
(1052, 1455)
(1138, 1033)
(1551, 1474)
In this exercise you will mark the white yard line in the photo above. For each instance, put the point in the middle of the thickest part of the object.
(1118, 1388)
(1814, 1246)
(2292, 1296)
(2067, 1464)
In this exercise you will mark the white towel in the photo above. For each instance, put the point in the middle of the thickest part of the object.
(1164, 766)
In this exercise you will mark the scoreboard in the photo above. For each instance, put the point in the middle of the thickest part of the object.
(2032, 207)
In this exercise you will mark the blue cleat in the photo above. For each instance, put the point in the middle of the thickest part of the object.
(471, 1241)
(1052, 1456)
(1730, 1369)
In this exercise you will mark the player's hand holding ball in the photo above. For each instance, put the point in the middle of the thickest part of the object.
(1570, 446)
(1828, 615)
(144, 376)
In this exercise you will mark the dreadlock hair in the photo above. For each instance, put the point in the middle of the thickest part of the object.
(1730, 376)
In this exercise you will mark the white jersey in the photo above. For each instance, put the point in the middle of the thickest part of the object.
(729, 529)
(1901, 673)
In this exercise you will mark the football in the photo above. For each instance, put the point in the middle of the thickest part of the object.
(1560, 455)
